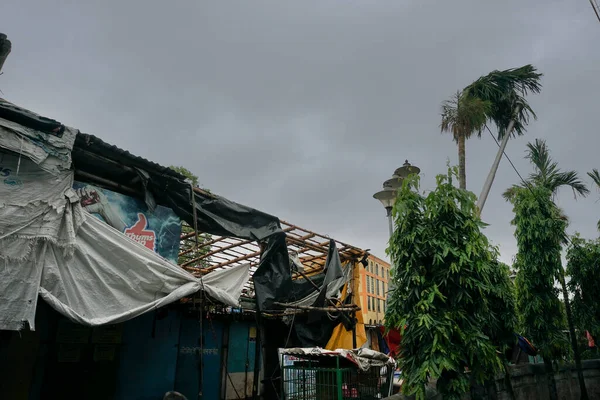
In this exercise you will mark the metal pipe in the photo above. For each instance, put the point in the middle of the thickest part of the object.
(390, 224)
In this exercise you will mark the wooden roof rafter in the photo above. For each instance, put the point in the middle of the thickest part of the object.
(224, 252)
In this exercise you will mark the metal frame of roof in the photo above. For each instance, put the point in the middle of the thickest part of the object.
(119, 173)
(226, 252)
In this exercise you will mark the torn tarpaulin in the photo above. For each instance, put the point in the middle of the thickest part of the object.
(365, 359)
(84, 268)
(112, 278)
(51, 151)
(315, 328)
(219, 216)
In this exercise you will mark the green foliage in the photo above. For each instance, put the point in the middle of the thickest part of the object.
(595, 175)
(583, 266)
(539, 230)
(192, 247)
(444, 289)
(193, 179)
(506, 91)
(547, 173)
(502, 319)
(464, 115)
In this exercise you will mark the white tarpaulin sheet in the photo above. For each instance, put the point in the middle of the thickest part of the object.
(50, 152)
(365, 359)
(83, 268)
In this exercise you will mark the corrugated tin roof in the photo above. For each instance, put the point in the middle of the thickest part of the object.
(88, 142)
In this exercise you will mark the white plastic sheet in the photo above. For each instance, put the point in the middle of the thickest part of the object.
(50, 152)
(111, 278)
(83, 268)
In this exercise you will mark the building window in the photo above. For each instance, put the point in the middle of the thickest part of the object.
(376, 269)
(377, 284)
(369, 303)
(378, 305)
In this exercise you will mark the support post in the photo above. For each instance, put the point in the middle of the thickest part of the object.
(492, 175)
(257, 356)
(390, 223)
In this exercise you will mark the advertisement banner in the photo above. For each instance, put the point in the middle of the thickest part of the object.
(159, 230)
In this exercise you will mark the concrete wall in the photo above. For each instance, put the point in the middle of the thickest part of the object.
(529, 382)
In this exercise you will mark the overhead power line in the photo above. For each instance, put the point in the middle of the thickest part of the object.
(596, 8)
(525, 183)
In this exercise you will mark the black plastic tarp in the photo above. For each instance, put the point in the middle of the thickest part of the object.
(219, 216)
(215, 215)
(315, 327)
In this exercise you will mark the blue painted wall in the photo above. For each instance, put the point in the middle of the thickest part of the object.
(155, 356)
(187, 380)
(240, 360)
(147, 364)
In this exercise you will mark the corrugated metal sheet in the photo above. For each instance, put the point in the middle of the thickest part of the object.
(87, 142)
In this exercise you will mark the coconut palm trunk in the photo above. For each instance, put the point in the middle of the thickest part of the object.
(462, 173)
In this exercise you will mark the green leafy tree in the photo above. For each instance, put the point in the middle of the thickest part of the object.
(583, 264)
(192, 247)
(539, 229)
(547, 178)
(190, 177)
(501, 322)
(443, 285)
(464, 115)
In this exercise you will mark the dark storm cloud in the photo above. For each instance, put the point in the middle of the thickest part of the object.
(303, 108)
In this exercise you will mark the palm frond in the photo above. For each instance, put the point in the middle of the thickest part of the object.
(547, 172)
(506, 91)
(595, 175)
(572, 180)
(464, 115)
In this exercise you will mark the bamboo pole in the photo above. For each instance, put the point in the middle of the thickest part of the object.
(352, 307)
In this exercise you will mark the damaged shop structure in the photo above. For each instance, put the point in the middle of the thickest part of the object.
(103, 296)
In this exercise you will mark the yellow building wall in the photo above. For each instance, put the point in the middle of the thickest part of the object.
(374, 284)
(341, 338)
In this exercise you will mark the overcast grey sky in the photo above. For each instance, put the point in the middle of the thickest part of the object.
(303, 108)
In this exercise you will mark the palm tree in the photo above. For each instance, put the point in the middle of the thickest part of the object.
(463, 115)
(595, 175)
(547, 174)
(510, 111)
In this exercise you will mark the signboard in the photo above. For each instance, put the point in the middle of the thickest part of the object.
(159, 230)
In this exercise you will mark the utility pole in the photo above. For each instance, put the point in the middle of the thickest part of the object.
(5, 47)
